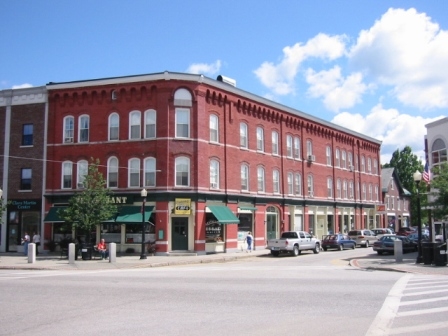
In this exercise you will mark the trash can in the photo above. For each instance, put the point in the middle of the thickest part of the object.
(440, 254)
(428, 252)
(86, 252)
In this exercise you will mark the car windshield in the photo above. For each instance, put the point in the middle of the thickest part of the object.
(354, 233)
(388, 238)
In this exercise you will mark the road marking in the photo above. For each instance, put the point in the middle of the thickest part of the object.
(422, 327)
(422, 312)
(409, 303)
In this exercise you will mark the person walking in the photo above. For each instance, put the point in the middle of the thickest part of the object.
(248, 240)
(36, 241)
(26, 241)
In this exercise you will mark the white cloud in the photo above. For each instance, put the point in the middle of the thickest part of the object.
(338, 92)
(408, 51)
(22, 86)
(395, 130)
(280, 77)
(205, 69)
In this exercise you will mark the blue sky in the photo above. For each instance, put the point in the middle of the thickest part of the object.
(377, 67)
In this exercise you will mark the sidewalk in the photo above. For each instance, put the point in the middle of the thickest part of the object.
(53, 261)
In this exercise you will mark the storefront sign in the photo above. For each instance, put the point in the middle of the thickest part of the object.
(118, 199)
(182, 206)
(381, 208)
(25, 205)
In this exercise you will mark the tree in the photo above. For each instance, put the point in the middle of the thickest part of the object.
(406, 164)
(91, 206)
(439, 191)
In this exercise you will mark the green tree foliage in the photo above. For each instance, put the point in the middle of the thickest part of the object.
(91, 206)
(439, 191)
(406, 164)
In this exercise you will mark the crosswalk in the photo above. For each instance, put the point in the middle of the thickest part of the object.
(416, 305)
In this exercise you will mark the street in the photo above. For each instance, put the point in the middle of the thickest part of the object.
(309, 295)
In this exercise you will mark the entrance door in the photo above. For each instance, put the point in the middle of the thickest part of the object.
(179, 234)
(271, 226)
(13, 237)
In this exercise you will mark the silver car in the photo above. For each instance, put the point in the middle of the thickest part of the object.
(363, 237)
(381, 232)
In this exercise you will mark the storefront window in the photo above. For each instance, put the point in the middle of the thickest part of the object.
(245, 225)
(134, 232)
(111, 232)
(213, 229)
(61, 231)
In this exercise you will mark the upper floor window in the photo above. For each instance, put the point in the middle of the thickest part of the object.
(290, 184)
(244, 177)
(309, 148)
(150, 172)
(260, 139)
(356, 163)
(275, 142)
(83, 128)
(135, 125)
(25, 180)
(134, 173)
(376, 194)
(363, 164)
(112, 172)
(310, 182)
(350, 190)
(114, 126)
(83, 167)
(27, 135)
(289, 146)
(438, 152)
(214, 127)
(369, 165)
(350, 161)
(296, 148)
(182, 123)
(343, 159)
(67, 174)
(358, 191)
(329, 187)
(364, 192)
(370, 192)
(375, 166)
(344, 190)
(150, 124)
(298, 184)
(337, 158)
(182, 97)
(214, 174)
(338, 189)
(398, 204)
(260, 179)
(182, 172)
(243, 136)
(328, 155)
(276, 181)
(69, 129)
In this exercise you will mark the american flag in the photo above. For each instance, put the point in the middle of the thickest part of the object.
(426, 173)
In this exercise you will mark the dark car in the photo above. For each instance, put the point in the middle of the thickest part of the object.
(386, 244)
(404, 231)
(337, 241)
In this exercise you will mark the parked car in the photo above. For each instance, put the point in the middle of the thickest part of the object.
(293, 242)
(386, 244)
(363, 237)
(379, 232)
(404, 231)
(337, 241)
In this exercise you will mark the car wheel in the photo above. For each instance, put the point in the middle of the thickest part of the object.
(275, 253)
(324, 248)
(316, 249)
(354, 246)
(379, 252)
(367, 244)
(341, 247)
(295, 251)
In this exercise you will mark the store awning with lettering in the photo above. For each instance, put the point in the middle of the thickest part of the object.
(53, 216)
(223, 214)
(133, 214)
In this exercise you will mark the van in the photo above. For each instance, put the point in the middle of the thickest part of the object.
(363, 237)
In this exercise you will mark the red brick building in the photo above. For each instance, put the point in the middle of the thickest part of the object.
(22, 119)
(216, 161)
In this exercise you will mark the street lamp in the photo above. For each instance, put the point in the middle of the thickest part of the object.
(143, 193)
(417, 179)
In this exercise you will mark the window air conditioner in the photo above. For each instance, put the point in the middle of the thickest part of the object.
(80, 185)
(311, 158)
(351, 168)
(214, 185)
(68, 140)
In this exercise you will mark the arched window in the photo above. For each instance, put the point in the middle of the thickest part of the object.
(298, 184)
(114, 126)
(297, 148)
(260, 179)
(276, 181)
(69, 129)
(343, 159)
(67, 174)
(337, 158)
(134, 173)
(150, 124)
(275, 143)
(83, 135)
(182, 97)
(83, 168)
(290, 184)
(243, 136)
(214, 174)
(310, 182)
(182, 172)
(135, 125)
(260, 139)
(150, 172)
(289, 146)
(112, 172)
(244, 177)
(329, 187)
(214, 128)
(438, 152)
(328, 155)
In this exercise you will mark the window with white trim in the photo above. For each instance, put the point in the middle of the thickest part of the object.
(298, 184)
(83, 135)
(328, 155)
(182, 171)
(370, 192)
(67, 174)
(260, 179)
(289, 146)
(114, 126)
(83, 168)
(309, 148)
(369, 165)
(344, 190)
(297, 148)
(149, 166)
(134, 173)
(274, 142)
(375, 166)
(364, 192)
(134, 125)
(260, 139)
(310, 185)
(350, 190)
(214, 174)
(69, 129)
(343, 159)
(150, 124)
(290, 184)
(338, 189)
(214, 127)
(276, 181)
(243, 136)
(337, 158)
(244, 177)
(329, 187)
(363, 164)
(26, 178)
(112, 172)
(182, 123)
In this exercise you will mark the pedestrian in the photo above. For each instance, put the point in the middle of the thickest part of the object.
(249, 240)
(36, 241)
(25, 242)
(102, 249)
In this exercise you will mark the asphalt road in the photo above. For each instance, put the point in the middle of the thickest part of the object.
(306, 295)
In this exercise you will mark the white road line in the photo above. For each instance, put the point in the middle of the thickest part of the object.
(409, 303)
(426, 292)
(383, 321)
(422, 327)
(423, 311)
(411, 285)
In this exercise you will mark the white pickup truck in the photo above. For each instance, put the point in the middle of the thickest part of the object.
(293, 242)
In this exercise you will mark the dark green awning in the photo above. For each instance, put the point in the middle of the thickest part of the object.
(133, 214)
(223, 214)
(53, 216)
(251, 208)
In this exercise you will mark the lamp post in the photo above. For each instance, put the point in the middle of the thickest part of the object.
(417, 179)
(143, 193)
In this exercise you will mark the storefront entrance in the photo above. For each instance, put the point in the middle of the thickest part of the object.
(179, 234)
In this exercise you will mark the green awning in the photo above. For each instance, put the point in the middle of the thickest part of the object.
(251, 208)
(223, 214)
(133, 214)
(53, 216)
